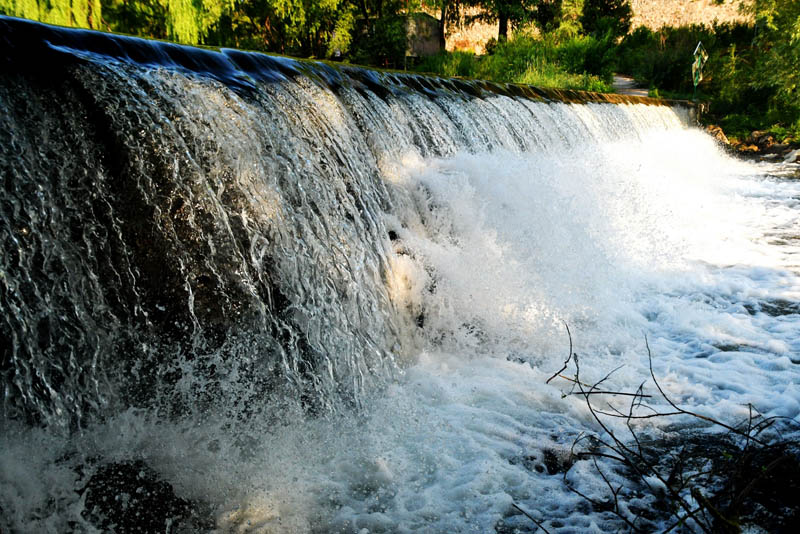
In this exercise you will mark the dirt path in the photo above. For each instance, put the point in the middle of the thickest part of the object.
(625, 85)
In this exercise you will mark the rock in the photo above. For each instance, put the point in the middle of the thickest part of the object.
(717, 133)
(747, 148)
(763, 139)
(780, 148)
(793, 156)
(129, 497)
(754, 136)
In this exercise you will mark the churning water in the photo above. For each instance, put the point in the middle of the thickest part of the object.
(321, 300)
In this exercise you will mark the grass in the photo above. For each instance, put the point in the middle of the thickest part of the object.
(525, 60)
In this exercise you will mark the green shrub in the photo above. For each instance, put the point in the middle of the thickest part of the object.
(777, 46)
(663, 58)
(751, 79)
(458, 63)
(573, 64)
(586, 54)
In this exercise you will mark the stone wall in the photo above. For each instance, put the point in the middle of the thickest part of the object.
(423, 35)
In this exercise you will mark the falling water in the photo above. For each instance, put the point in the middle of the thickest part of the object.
(323, 299)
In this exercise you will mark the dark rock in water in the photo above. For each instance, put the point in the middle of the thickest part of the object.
(773, 308)
(129, 497)
(556, 461)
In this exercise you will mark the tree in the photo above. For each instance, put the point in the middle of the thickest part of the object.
(319, 25)
(548, 14)
(507, 13)
(146, 18)
(449, 11)
(264, 25)
(184, 21)
(601, 17)
(76, 13)
(778, 47)
(569, 26)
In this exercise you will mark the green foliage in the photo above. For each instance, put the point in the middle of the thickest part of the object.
(752, 78)
(562, 17)
(548, 14)
(663, 59)
(299, 27)
(384, 43)
(320, 23)
(508, 13)
(570, 24)
(525, 60)
(457, 63)
(589, 54)
(602, 17)
(75, 13)
(147, 18)
(184, 21)
(339, 44)
(777, 45)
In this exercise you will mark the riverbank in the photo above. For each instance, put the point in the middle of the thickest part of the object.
(760, 145)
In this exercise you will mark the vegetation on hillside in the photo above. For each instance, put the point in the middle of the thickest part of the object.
(751, 80)
(528, 60)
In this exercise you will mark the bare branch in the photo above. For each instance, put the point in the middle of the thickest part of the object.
(687, 412)
(529, 516)
(569, 356)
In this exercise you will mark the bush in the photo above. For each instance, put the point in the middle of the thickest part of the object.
(586, 54)
(573, 64)
(664, 58)
(777, 45)
(457, 63)
(751, 79)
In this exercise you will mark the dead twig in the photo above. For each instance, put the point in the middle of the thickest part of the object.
(690, 413)
(678, 482)
(569, 356)
(529, 516)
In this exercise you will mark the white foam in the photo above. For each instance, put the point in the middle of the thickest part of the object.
(663, 237)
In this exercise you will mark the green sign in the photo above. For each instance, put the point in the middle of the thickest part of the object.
(700, 58)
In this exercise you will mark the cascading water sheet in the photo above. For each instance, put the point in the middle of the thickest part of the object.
(321, 304)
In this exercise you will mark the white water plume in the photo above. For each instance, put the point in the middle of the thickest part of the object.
(319, 307)
(494, 251)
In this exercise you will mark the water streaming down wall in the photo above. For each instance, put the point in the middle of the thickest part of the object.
(188, 228)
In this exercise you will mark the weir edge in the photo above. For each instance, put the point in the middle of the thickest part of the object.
(55, 46)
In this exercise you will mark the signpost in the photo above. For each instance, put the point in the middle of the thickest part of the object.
(700, 58)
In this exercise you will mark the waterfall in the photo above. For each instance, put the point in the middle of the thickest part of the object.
(322, 298)
(168, 209)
